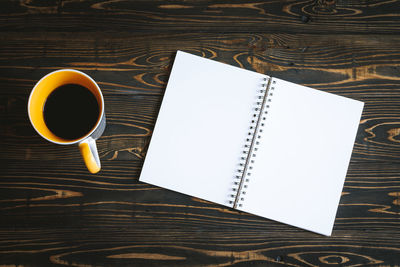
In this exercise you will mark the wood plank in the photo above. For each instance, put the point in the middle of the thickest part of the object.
(133, 82)
(202, 16)
(370, 190)
(72, 217)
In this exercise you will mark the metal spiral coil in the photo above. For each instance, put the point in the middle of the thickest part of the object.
(250, 148)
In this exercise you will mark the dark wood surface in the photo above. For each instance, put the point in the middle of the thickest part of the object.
(53, 212)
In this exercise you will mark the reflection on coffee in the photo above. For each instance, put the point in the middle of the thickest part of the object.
(71, 111)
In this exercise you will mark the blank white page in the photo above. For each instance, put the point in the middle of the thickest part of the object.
(201, 128)
(303, 156)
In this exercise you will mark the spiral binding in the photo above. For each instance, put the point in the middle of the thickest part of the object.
(247, 159)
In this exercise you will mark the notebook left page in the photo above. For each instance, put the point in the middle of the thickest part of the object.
(201, 128)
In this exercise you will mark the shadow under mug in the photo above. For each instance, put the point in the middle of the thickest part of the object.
(37, 99)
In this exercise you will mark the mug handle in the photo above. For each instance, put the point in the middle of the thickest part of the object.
(90, 155)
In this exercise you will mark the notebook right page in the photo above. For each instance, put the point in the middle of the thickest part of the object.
(302, 157)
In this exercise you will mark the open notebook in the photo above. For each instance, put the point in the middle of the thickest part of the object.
(252, 142)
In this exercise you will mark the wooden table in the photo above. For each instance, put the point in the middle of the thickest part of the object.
(52, 211)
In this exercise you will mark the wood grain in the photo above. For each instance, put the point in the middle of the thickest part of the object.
(307, 16)
(53, 212)
(362, 67)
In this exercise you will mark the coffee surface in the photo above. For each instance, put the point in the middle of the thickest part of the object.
(71, 111)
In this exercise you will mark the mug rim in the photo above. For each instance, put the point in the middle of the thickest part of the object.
(98, 121)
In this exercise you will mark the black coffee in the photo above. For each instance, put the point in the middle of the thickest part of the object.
(71, 111)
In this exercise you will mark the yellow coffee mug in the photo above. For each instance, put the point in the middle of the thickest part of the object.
(36, 105)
